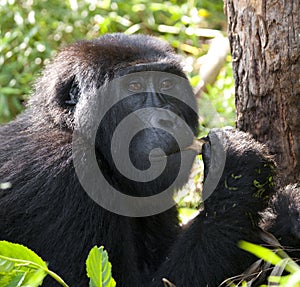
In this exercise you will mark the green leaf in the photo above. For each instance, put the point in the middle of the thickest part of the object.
(99, 268)
(6, 266)
(261, 252)
(21, 267)
(11, 91)
(269, 256)
(293, 280)
(35, 279)
(18, 251)
(16, 280)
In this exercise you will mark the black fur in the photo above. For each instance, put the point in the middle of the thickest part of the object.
(282, 219)
(47, 210)
(207, 252)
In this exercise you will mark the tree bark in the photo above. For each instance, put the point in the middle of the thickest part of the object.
(264, 37)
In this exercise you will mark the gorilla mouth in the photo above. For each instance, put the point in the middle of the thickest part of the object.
(196, 146)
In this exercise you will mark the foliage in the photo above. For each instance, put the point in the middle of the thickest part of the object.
(280, 260)
(214, 10)
(20, 266)
(99, 268)
(220, 100)
(32, 31)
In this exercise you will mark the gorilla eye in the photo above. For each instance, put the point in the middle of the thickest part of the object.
(135, 86)
(166, 85)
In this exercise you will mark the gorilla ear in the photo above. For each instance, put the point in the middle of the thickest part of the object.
(73, 94)
(68, 93)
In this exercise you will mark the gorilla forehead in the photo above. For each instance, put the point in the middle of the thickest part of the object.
(91, 63)
(115, 50)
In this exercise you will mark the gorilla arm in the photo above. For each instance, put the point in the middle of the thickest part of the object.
(207, 252)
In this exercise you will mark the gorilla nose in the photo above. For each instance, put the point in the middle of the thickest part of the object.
(166, 123)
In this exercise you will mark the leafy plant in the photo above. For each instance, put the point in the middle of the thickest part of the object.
(280, 260)
(99, 268)
(218, 101)
(20, 266)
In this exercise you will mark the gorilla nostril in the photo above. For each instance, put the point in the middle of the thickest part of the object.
(166, 123)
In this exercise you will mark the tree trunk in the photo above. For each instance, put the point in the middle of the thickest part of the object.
(265, 43)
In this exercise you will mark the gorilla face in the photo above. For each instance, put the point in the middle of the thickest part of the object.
(150, 124)
(133, 107)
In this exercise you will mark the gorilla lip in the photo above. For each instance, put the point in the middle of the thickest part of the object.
(197, 145)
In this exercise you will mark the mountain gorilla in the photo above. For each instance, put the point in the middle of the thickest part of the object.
(53, 205)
